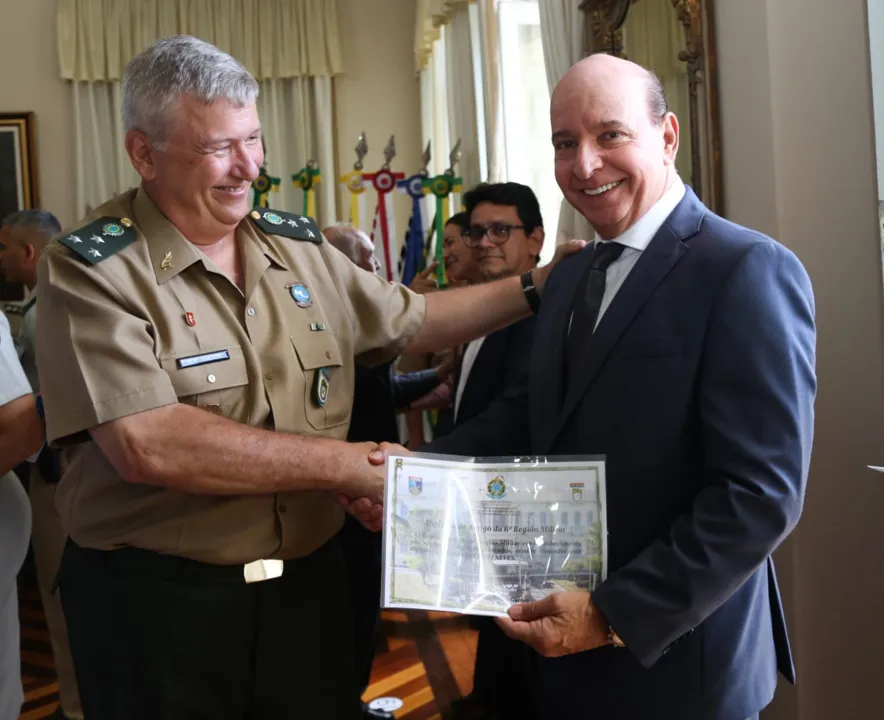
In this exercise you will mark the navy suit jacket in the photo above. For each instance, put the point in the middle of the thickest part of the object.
(501, 365)
(698, 387)
(503, 361)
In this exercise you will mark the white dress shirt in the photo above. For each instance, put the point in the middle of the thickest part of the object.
(636, 239)
(469, 357)
(15, 533)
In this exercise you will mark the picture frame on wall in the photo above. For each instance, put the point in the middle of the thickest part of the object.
(18, 175)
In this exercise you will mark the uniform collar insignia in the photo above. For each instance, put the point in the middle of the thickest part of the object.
(290, 225)
(101, 238)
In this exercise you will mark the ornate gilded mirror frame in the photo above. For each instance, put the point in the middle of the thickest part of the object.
(604, 20)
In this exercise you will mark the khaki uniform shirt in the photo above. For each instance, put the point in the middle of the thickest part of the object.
(109, 338)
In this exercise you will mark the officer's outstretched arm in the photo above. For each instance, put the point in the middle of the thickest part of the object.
(457, 316)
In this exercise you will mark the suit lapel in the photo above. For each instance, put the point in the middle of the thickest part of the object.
(548, 349)
(654, 264)
(478, 372)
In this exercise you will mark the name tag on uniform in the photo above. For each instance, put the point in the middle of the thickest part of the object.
(204, 359)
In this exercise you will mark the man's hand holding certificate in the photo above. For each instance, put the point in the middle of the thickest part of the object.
(479, 537)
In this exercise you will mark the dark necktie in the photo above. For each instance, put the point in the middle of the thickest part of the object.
(587, 302)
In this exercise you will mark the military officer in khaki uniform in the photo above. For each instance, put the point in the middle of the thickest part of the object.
(197, 363)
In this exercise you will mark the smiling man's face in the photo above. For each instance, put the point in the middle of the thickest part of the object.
(613, 161)
(200, 176)
(517, 254)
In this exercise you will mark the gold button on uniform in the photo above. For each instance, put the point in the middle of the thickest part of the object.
(364, 318)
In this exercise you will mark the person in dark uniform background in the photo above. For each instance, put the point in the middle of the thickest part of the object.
(504, 232)
(379, 393)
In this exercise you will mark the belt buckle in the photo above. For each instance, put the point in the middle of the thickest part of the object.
(261, 570)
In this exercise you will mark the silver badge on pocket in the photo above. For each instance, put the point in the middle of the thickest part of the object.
(321, 387)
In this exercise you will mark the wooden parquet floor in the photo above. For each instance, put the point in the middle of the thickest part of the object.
(37, 667)
(425, 659)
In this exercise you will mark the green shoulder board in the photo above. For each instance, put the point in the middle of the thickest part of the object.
(100, 239)
(276, 222)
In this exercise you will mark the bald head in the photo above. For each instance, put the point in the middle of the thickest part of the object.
(615, 142)
(621, 70)
(354, 243)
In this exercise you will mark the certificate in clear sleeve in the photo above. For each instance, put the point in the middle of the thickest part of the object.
(476, 535)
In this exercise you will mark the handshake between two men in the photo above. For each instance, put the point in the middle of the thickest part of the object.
(364, 499)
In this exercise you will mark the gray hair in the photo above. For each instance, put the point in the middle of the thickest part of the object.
(346, 238)
(42, 221)
(175, 66)
(657, 105)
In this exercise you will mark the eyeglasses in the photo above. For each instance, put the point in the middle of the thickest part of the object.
(498, 233)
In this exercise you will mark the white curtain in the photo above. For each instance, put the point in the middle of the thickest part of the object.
(434, 108)
(491, 89)
(561, 29)
(272, 38)
(296, 115)
(461, 92)
(102, 166)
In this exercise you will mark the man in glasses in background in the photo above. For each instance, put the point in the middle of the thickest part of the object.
(505, 234)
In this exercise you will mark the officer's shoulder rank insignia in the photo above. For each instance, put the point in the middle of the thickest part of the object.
(100, 239)
(276, 222)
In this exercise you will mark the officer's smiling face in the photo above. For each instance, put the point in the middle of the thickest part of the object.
(201, 175)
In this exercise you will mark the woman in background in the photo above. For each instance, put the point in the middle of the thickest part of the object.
(461, 269)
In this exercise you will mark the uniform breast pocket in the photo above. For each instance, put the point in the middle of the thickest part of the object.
(328, 398)
(214, 380)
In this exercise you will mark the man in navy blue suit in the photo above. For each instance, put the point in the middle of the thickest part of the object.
(681, 347)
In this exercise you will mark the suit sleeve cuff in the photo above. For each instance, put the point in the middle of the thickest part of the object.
(616, 605)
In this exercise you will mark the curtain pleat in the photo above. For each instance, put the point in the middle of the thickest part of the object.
(274, 39)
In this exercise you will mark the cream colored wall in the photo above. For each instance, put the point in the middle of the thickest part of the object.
(799, 164)
(379, 94)
(29, 80)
